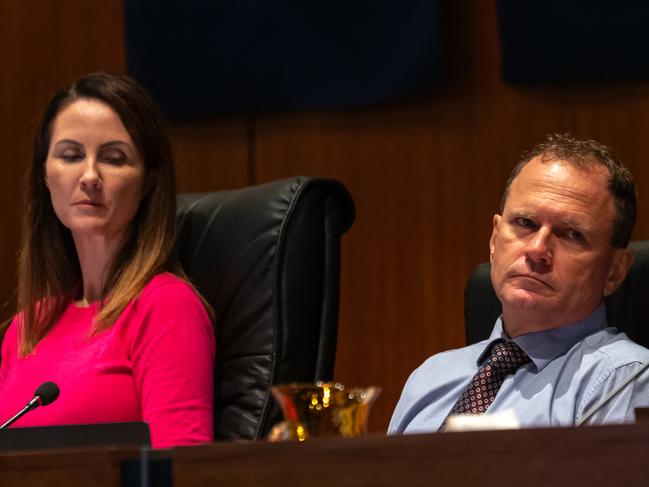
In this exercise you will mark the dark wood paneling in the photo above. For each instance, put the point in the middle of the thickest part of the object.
(210, 155)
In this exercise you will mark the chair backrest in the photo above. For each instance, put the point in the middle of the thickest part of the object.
(267, 258)
(627, 308)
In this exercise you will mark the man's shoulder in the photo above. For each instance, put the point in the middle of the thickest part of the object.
(454, 357)
(430, 387)
(616, 347)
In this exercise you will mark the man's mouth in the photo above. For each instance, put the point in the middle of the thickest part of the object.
(532, 279)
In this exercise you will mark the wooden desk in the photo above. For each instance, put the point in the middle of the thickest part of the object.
(596, 456)
(101, 467)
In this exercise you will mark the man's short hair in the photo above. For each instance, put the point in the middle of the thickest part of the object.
(585, 153)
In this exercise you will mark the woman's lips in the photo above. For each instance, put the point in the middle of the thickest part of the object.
(88, 202)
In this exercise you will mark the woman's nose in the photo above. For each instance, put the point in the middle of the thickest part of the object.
(90, 177)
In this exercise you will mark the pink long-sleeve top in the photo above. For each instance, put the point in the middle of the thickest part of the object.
(155, 364)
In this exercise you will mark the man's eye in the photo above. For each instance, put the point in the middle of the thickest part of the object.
(575, 235)
(524, 222)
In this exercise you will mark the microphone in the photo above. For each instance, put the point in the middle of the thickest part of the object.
(46, 394)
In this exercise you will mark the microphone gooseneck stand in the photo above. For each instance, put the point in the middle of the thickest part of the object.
(44, 395)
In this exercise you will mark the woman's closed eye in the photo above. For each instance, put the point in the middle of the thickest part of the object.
(71, 155)
(114, 157)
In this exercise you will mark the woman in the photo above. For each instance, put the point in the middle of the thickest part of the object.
(106, 311)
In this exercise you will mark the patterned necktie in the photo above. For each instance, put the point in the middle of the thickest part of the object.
(504, 359)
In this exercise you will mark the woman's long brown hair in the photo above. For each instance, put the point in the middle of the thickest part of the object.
(49, 276)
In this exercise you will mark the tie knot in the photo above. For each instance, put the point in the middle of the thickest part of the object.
(506, 357)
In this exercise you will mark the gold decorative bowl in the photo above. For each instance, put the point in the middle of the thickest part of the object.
(322, 409)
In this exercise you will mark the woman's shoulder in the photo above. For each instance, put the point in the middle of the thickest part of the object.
(166, 283)
(166, 302)
(169, 290)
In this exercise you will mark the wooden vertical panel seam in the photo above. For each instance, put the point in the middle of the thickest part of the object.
(250, 147)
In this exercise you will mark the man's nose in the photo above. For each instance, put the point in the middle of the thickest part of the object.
(90, 177)
(539, 248)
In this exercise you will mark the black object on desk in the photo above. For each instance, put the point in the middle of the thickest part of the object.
(78, 435)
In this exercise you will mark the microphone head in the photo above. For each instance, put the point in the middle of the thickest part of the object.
(47, 392)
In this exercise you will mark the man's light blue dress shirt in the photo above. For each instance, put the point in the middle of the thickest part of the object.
(572, 368)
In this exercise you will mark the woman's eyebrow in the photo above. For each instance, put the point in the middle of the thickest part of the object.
(68, 141)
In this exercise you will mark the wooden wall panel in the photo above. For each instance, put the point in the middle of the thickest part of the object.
(44, 44)
(427, 175)
(210, 155)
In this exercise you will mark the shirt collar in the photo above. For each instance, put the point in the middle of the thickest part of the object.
(544, 346)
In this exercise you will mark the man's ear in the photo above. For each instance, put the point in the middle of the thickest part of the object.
(620, 265)
(494, 236)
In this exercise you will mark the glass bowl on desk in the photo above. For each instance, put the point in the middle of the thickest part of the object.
(322, 409)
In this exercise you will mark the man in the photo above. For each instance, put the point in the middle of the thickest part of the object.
(558, 247)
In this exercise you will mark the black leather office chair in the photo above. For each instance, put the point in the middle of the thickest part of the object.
(267, 258)
(627, 308)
